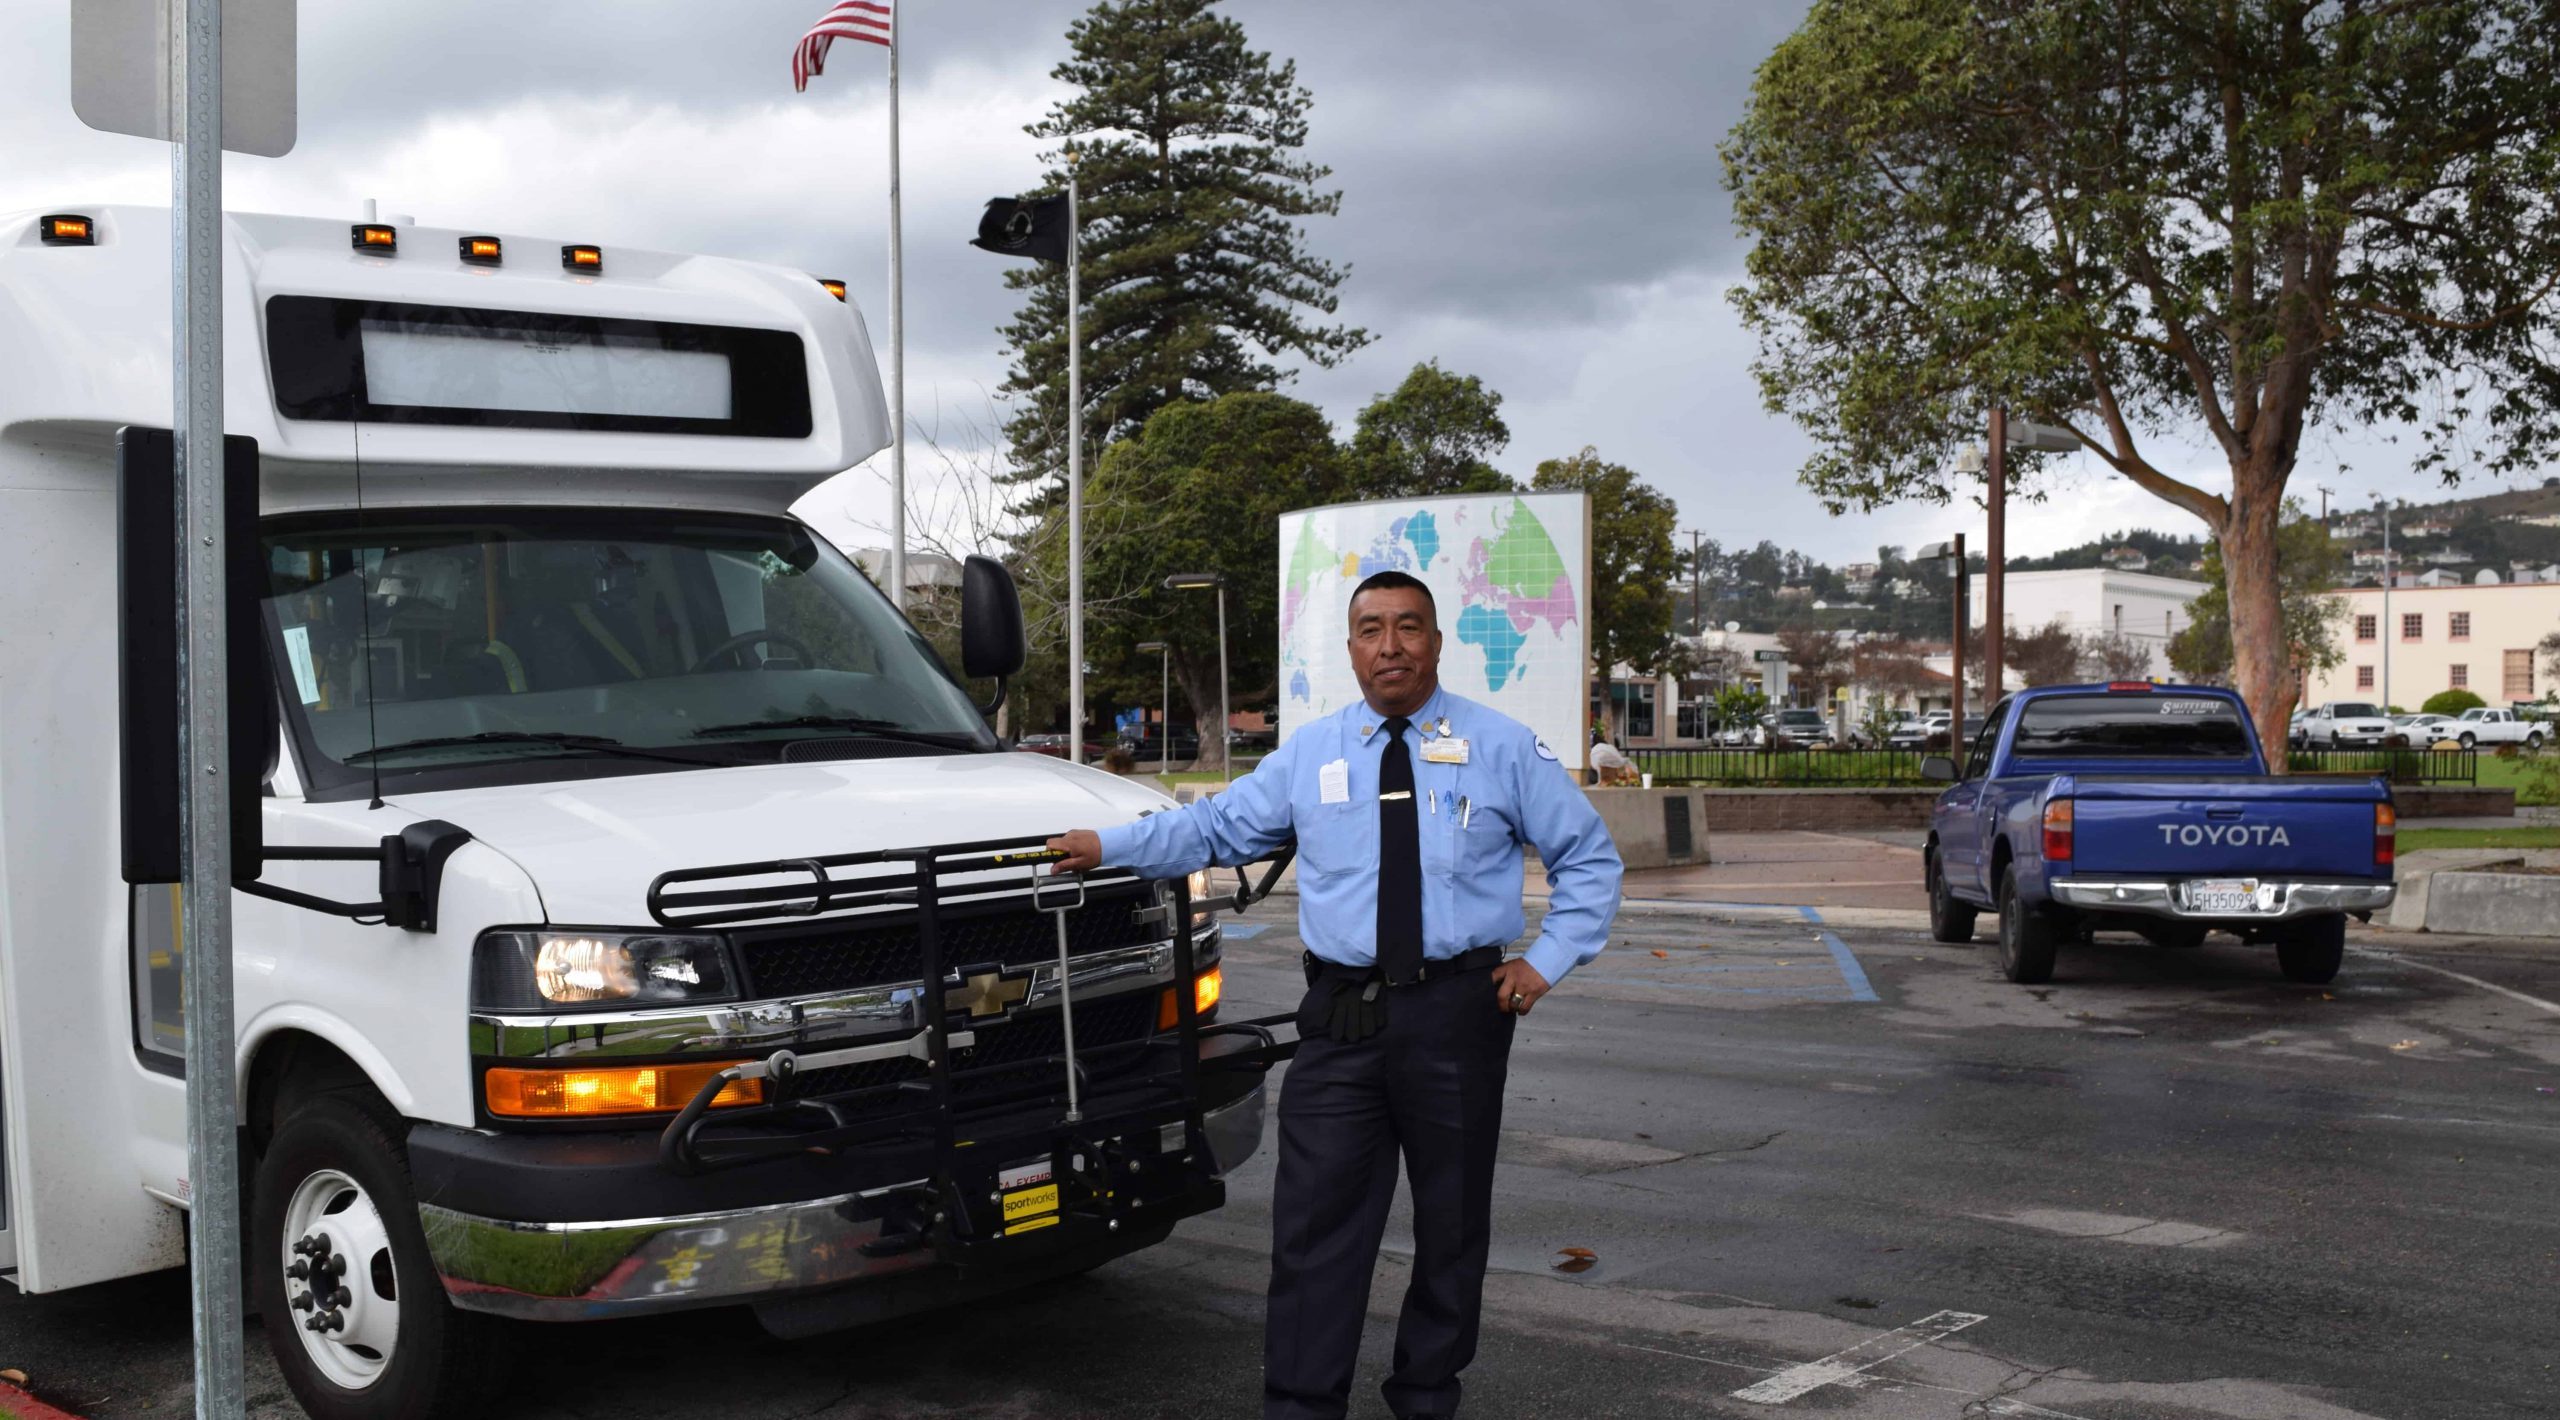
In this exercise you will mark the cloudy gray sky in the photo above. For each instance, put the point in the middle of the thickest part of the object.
(1530, 194)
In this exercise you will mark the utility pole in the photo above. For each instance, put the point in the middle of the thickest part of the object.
(1697, 586)
(1955, 718)
(1995, 556)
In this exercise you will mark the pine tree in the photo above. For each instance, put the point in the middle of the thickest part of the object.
(1195, 273)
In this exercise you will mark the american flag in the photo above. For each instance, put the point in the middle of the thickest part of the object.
(865, 20)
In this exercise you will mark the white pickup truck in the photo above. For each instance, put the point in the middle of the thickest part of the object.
(2337, 724)
(2483, 726)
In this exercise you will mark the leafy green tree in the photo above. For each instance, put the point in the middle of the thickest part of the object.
(2307, 566)
(2452, 702)
(1740, 703)
(1432, 434)
(1213, 478)
(2153, 221)
(1196, 275)
(1634, 566)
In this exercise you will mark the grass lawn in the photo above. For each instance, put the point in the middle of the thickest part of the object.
(2413, 840)
(2496, 773)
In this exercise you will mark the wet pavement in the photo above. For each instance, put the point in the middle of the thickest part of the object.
(1823, 1170)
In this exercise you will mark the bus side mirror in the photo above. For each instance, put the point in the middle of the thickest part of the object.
(148, 709)
(991, 642)
(1938, 769)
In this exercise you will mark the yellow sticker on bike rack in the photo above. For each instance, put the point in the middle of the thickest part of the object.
(1024, 1209)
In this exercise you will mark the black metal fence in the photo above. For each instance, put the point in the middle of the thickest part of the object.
(1811, 768)
(1881, 768)
(2400, 766)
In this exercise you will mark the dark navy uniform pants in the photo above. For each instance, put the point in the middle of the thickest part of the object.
(1428, 1087)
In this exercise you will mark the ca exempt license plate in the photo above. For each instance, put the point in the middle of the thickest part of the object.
(2228, 896)
(1029, 1194)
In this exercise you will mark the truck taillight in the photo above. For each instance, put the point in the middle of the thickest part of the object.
(2057, 831)
(2386, 835)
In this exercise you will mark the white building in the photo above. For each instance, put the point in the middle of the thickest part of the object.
(2483, 639)
(2092, 601)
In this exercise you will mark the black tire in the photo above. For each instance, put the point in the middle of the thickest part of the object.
(2470, 741)
(1949, 919)
(2533, 743)
(445, 1363)
(2029, 937)
(2311, 950)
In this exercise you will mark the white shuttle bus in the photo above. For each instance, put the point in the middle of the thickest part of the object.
(645, 917)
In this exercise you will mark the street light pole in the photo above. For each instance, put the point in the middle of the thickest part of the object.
(1164, 699)
(2390, 574)
(1217, 582)
(1952, 553)
(1995, 555)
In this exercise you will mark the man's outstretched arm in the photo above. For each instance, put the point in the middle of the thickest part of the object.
(1238, 826)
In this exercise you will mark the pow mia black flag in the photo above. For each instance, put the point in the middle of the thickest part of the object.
(1015, 227)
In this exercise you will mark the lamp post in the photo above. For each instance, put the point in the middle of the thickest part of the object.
(1164, 698)
(2390, 574)
(1953, 554)
(1992, 461)
(1201, 582)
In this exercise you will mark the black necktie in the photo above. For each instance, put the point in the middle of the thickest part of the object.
(1399, 860)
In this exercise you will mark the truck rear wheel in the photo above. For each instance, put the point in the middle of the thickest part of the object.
(2311, 950)
(354, 1312)
(1949, 920)
(2029, 938)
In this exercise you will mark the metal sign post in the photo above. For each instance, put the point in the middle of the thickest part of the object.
(213, 1157)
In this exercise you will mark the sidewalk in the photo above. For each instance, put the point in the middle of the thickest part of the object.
(1876, 871)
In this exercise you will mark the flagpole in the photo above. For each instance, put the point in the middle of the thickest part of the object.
(897, 343)
(1075, 479)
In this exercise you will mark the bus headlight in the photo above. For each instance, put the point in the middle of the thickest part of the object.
(544, 971)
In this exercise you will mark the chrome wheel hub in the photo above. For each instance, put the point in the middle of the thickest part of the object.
(339, 1279)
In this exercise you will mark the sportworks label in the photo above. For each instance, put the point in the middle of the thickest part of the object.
(2252, 835)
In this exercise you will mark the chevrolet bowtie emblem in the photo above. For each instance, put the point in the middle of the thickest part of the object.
(989, 993)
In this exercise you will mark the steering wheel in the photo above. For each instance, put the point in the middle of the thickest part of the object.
(744, 639)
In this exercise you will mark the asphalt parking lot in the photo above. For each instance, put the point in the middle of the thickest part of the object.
(1822, 1172)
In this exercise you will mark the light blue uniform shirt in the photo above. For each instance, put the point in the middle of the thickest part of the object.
(1475, 817)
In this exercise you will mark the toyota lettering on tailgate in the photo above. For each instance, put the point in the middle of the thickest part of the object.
(2197, 835)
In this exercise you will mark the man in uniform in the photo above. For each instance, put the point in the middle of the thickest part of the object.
(1410, 810)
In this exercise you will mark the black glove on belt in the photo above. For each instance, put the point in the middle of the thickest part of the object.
(1344, 1009)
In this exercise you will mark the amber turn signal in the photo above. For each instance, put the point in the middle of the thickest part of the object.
(591, 1094)
(65, 230)
(834, 287)
(1212, 986)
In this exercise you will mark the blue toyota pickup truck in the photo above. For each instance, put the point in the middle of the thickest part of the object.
(2147, 808)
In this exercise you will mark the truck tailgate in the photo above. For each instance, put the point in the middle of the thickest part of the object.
(2223, 826)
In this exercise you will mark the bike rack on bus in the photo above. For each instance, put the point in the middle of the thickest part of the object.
(1099, 1135)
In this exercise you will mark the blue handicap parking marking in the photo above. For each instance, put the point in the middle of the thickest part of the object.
(1851, 974)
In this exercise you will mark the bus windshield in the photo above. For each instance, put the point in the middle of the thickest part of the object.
(441, 648)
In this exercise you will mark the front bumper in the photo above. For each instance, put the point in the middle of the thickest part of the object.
(877, 1238)
(2278, 899)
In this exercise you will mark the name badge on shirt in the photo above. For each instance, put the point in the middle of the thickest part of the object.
(1444, 751)
(1333, 783)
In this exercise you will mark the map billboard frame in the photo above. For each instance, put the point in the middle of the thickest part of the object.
(1566, 731)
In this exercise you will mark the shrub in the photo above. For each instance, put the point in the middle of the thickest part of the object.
(2452, 702)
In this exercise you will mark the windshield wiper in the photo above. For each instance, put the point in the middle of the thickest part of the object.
(598, 744)
(850, 724)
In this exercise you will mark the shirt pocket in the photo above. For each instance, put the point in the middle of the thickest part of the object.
(1338, 838)
(1487, 844)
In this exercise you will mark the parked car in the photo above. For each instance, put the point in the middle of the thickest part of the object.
(1914, 732)
(2422, 729)
(1798, 728)
(1149, 746)
(1055, 746)
(2134, 807)
(1868, 737)
(2340, 724)
(1266, 739)
(2483, 726)
(1744, 734)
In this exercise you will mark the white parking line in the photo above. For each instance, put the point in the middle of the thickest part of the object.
(1801, 1380)
(2534, 1001)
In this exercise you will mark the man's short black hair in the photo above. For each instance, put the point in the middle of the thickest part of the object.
(1389, 581)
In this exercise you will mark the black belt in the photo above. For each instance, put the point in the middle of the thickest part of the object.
(1472, 959)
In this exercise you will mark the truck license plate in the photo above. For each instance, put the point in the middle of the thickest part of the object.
(2224, 896)
(1029, 1194)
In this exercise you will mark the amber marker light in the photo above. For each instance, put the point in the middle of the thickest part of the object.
(582, 258)
(1212, 986)
(65, 230)
(601, 1093)
(480, 251)
(834, 287)
(375, 237)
